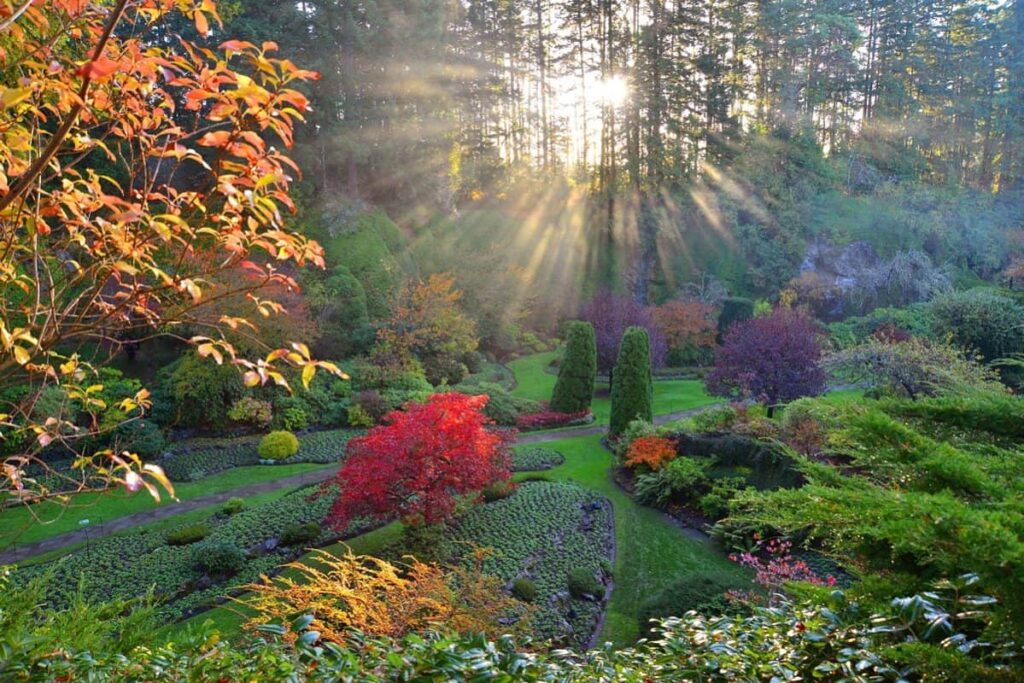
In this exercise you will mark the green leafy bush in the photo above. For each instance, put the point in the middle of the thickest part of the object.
(187, 535)
(233, 506)
(632, 385)
(358, 417)
(524, 589)
(577, 373)
(498, 490)
(301, 534)
(734, 310)
(278, 445)
(702, 592)
(683, 478)
(252, 411)
(203, 391)
(219, 557)
(583, 583)
(982, 320)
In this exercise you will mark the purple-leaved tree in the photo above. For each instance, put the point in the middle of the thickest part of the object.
(611, 315)
(772, 359)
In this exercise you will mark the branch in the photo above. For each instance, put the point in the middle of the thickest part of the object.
(61, 133)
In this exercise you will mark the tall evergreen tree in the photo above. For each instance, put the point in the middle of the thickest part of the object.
(632, 384)
(577, 373)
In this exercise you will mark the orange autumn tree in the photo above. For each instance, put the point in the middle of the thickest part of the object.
(134, 169)
(686, 324)
(650, 451)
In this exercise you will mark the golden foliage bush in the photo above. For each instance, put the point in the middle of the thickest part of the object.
(357, 592)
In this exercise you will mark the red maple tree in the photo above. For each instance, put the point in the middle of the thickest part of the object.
(417, 463)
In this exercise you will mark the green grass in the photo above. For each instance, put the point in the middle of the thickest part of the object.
(651, 549)
(28, 525)
(532, 381)
(670, 396)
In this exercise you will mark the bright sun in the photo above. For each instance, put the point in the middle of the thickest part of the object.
(613, 90)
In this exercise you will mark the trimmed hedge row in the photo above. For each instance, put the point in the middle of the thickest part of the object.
(207, 456)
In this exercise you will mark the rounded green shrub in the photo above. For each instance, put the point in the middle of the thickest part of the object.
(218, 557)
(583, 582)
(577, 372)
(702, 592)
(278, 446)
(498, 490)
(233, 506)
(524, 589)
(632, 386)
(299, 534)
(187, 535)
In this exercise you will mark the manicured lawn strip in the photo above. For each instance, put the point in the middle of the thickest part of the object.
(19, 525)
(532, 381)
(651, 550)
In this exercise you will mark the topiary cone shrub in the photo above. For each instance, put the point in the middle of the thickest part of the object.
(577, 372)
(279, 445)
(632, 387)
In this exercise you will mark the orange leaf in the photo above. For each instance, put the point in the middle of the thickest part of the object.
(202, 25)
(98, 68)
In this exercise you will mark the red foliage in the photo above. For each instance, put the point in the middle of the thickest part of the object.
(550, 418)
(652, 451)
(420, 461)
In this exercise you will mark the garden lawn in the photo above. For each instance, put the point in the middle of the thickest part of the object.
(670, 395)
(21, 524)
(651, 549)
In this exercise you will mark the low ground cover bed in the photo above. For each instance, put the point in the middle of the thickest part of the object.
(544, 532)
(535, 459)
(193, 461)
(178, 563)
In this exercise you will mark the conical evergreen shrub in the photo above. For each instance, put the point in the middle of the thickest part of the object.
(574, 389)
(632, 386)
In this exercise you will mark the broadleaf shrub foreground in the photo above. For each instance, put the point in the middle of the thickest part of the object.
(944, 635)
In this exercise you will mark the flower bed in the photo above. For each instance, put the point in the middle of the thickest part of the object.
(546, 419)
